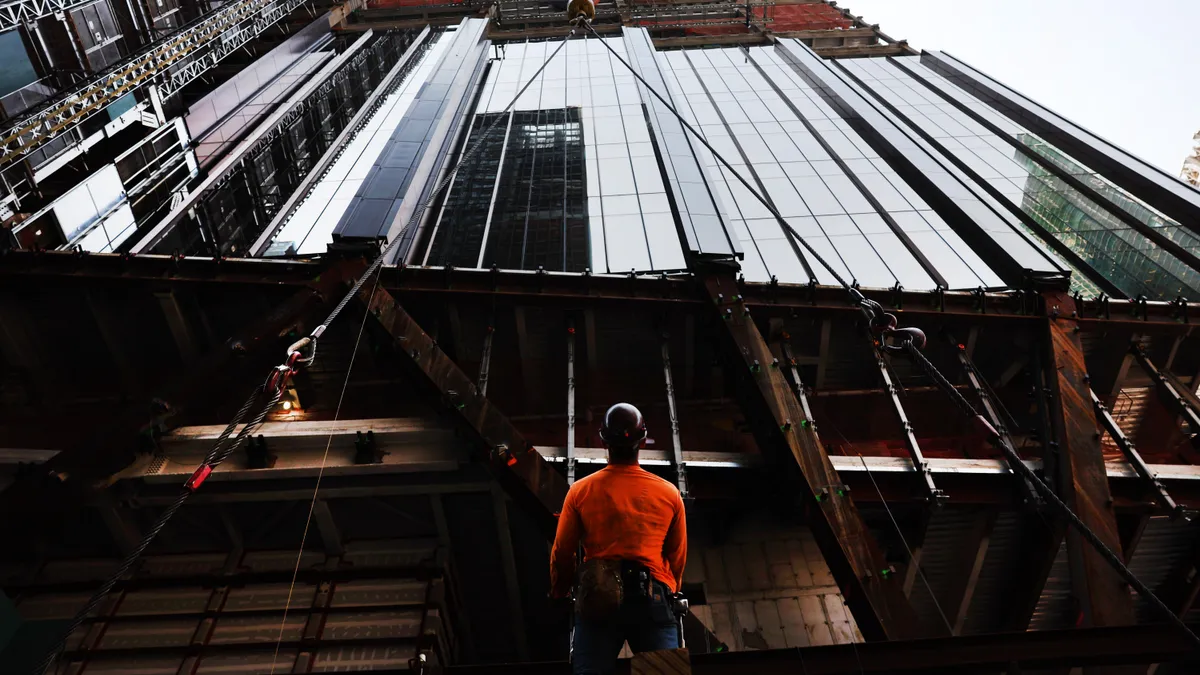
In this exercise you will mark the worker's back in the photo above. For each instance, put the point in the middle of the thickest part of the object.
(626, 513)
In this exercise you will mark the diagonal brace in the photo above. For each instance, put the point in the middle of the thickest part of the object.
(528, 478)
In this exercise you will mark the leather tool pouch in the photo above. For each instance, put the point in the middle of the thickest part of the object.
(600, 591)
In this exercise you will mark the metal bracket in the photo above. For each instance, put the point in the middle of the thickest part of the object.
(366, 450)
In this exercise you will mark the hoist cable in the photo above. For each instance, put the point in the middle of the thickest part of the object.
(301, 353)
(220, 451)
(969, 410)
(1049, 495)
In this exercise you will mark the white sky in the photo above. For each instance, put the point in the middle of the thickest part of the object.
(1128, 71)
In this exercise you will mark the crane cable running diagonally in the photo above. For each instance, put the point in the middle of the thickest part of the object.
(300, 354)
(910, 341)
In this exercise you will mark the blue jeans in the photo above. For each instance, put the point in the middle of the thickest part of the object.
(647, 626)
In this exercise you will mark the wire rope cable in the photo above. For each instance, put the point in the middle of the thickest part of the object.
(222, 448)
(931, 370)
(317, 485)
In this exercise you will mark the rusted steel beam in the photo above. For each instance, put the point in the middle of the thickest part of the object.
(519, 468)
(540, 289)
(781, 428)
(1081, 479)
(523, 472)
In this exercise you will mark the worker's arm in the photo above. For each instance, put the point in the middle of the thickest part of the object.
(566, 543)
(675, 545)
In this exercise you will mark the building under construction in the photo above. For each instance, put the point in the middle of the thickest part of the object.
(490, 225)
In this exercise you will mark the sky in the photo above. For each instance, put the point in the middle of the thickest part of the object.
(1126, 70)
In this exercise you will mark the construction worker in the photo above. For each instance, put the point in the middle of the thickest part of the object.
(634, 534)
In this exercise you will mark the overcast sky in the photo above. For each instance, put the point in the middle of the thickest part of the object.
(1126, 70)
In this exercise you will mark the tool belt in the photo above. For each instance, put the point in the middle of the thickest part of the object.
(605, 585)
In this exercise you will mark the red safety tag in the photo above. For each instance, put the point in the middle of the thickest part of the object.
(512, 461)
(198, 478)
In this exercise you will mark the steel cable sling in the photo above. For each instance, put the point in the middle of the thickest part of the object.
(301, 353)
(909, 341)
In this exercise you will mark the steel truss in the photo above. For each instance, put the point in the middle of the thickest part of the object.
(170, 64)
(19, 12)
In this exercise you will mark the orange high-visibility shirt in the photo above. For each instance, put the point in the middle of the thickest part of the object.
(621, 512)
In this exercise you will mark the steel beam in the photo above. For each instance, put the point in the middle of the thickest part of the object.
(1135, 460)
(992, 653)
(571, 402)
(1177, 401)
(522, 471)
(872, 592)
(677, 463)
(112, 448)
(991, 410)
(172, 62)
(485, 360)
(1081, 479)
(532, 289)
(933, 495)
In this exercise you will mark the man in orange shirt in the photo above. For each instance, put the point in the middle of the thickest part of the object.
(634, 534)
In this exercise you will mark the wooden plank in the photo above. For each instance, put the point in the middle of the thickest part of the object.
(662, 662)
(1082, 481)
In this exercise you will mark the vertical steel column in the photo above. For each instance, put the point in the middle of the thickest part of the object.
(1131, 455)
(485, 360)
(1176, 400)
(1083, 483)
(1029, 495)
(571, 461)
(676, 443)
(933, 495)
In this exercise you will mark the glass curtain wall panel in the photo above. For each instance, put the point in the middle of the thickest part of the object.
(584, 115)
(309, 228)
(534, 213)
(702, 218)
(407, 161)
(1003, 156)
(1159, 190)
(1009, 253)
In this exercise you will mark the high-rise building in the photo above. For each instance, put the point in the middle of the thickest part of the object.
(494, 225)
